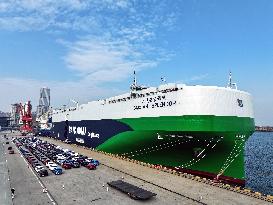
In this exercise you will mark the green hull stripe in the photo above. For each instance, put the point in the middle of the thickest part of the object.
(201, 123)
(205, 131)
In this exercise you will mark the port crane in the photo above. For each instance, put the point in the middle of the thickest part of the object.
(25, 118)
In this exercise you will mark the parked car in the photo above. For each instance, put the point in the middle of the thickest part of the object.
(60, 156)
(18, 144)
(90, 166)
(26, 154)
(78, 159)
(74, 154)
(9, 148)
(93, 161)
(43, 172)
(57, 171)
(60, 161)
(75, 164)
(84, 163)
(51, 167)
(48, 164)
(30, 158)
(45, 160)
(11, 151)
(38, 168)
(35, 163)
(66, 165)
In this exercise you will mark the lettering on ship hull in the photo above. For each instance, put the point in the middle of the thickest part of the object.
(155, 102)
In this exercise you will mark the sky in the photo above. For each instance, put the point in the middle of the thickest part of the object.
(88, 49)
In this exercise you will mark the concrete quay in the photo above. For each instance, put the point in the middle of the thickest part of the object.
(83, 186)
(186, 188)
(5, 194)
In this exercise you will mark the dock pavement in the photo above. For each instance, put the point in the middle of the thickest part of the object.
(83, 186)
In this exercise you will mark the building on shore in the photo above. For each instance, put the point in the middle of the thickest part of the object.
(4, 120)
(15, 115)
(44, 102)
(264, 128)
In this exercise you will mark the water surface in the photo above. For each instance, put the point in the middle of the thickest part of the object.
(259, 162)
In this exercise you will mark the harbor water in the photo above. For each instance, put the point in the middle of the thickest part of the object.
(259, 162)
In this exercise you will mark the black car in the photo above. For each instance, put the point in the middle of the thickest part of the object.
(75, 164)
(43, 173)
(84, 163)
(35, 163)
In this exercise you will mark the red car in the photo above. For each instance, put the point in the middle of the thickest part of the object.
(66, 165)
(90, 166)
(44, 161)
(30, 158)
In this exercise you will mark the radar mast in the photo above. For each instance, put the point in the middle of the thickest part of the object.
(135, 86)
(230, 83)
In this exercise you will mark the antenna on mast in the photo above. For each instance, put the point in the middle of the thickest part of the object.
(77, 103)
(134, 85)
(163, 79)
(230, 83)
(230, 80)
(135, 79)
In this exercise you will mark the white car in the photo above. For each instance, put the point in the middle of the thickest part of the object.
(52, 166)
(59, 155)
(66, 150)
(38, 168)
(61, 158)
(74, 154)
(49, 163)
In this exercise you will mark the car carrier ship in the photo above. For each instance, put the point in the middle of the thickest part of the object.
(202, 129)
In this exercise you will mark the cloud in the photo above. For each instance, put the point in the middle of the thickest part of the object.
(118, 35)
(105, 40)
(111, 15)
(105, 60)
(27, 15)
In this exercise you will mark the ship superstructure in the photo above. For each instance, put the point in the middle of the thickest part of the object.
(201, 128)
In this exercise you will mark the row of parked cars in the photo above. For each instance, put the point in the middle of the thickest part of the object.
(35, 163)
(55, 157)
